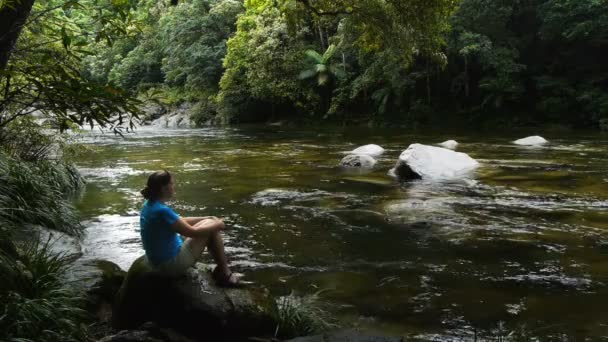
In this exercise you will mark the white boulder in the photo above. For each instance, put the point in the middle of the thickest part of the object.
(449, 144)
(358, 161)
(430, 162)
(531, 141)
(372, 150)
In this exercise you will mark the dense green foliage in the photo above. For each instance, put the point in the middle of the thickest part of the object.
(514, 62)
(35, 189)
(43, 75)
(35, 304)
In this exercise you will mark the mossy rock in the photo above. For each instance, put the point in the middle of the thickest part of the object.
(109, 279)
(192, 305)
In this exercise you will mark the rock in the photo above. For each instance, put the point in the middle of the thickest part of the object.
(371, 150)
(59, 243)
(347, 336)
(100, 280)
(178, 118)
(531, 141)
(149, 332)
(449, 144)
(430, 162)
(358, 161)
(153, 111)
(107, 280)
(192, 305)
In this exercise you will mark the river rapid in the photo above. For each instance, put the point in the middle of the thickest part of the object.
(522, 248)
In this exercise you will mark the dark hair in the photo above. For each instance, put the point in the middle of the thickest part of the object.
(156, 181)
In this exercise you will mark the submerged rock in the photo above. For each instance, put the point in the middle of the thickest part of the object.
(358, 161)
(192, 305)
(347, 336)
(531, 141)
(423, 161)
(449, 144)
(372, 150)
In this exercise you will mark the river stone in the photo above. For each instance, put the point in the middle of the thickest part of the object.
(192, 305)
(531, 141)
(449, 144)
(358, 161)
(347, 336)
(430, 162)
(371, 150)
(148, 332)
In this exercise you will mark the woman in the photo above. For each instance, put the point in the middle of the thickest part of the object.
(160, 226)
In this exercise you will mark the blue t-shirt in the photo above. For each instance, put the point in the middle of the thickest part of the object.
(161, 243)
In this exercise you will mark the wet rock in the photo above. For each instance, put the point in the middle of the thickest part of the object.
(149, 332)
(449, 144)
(531, 141)
(106, 279)
(153, 111)
(59, 243)
(347, 336)
(100, 280)
(430, 162)
(178, 118)
(192, 305)
(358, 161)
(371, 150)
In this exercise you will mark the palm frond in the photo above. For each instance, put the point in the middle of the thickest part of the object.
(314, 56)
(329, 53)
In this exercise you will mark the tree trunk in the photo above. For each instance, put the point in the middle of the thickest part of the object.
(12, 21)
(466, 76)
(428, 83)
(321, 37)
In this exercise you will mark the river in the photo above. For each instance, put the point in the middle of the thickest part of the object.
(522, 247)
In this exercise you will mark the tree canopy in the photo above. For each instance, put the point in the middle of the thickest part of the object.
(520, 62)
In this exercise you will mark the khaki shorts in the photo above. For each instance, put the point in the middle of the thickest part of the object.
(182, 261)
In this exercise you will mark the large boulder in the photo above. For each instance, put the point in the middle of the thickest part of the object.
(449, 144)
(358, 161)
(101, 281)
(347, 336)
(430, 162)
(177, 118)
(531, 141)
(192, 305)
(372, 150)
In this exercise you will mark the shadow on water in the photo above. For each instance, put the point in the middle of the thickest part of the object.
(522, 246)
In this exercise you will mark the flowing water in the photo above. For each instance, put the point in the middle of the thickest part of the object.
(521, 247)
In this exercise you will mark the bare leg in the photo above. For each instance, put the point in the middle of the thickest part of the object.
(215, 243)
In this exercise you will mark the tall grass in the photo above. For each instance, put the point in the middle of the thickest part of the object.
(35, 187)
(37, 193)
(35, 304)
(301, 316)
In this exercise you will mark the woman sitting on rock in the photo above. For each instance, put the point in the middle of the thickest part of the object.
(160, 226)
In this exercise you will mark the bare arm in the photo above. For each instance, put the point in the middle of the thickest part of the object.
(202, 228)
